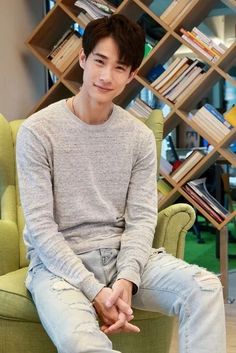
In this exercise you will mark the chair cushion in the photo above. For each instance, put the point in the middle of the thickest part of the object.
(15, 300)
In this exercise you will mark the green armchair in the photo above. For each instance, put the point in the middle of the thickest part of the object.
(20, 327)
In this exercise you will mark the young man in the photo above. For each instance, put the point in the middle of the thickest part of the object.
(87, 176)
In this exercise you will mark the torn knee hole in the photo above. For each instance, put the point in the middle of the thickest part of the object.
(207, 280)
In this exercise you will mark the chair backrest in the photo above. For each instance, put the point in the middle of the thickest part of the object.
(8, 131)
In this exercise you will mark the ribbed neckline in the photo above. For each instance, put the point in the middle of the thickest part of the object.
(83, 124)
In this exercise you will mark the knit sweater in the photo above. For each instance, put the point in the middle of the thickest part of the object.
(86, 187)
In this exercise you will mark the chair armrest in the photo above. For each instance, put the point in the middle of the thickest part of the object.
(9, 237)
(9, 247)
(172, 226)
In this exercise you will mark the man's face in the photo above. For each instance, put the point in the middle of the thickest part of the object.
(105, 76)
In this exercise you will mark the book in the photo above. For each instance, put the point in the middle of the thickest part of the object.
(166, 72)
(179, 79)
(68, 53)
(210, 108)
(163, 187)
(200, 43)
(192, 86)
(165, 166)
(174, 78)
(214, 120)
(202, 203)
(230, 116)
(171, 72)
(187, 165)
(208, 127)
(199, 186)
(188, 79)
(96, 9)
(175, 9)
(221, 48)
(60, 43)
(202, 51)
(84, 18)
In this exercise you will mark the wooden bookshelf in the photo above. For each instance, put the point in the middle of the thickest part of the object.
(64, 14)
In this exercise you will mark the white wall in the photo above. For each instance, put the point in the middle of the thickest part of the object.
(22, 81)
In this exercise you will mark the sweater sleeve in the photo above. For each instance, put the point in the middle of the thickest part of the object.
(140, 215)
(36, 193)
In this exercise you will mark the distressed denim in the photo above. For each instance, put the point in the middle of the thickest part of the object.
(168, 285)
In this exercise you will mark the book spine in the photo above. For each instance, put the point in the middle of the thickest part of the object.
(212, 124)
(207, 127)
(188, 80)
(166, 72)
(214, 120)
(202, 204)
(217, 114)
(202, 51)
(172, 73)
(200, 43)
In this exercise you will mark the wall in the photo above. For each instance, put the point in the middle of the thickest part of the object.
(22, 78)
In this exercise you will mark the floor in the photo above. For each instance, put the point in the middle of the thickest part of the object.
(230, 310)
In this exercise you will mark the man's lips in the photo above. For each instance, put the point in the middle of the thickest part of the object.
(103, 88)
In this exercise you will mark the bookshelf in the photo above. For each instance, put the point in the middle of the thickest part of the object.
(64, 14)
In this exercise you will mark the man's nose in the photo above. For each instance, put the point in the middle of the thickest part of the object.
(106, 74)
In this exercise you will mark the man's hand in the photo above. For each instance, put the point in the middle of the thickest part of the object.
(118, 313)
(121, 293)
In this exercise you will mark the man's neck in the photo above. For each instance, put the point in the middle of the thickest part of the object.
(90, 112)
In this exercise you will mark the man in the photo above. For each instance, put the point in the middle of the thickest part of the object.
(87, 176)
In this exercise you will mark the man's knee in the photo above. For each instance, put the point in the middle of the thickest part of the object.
(207, 281)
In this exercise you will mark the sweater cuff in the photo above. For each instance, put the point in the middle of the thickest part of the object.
(131, 276)
(91, 287)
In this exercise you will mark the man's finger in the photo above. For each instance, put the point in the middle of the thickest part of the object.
(124, 307)
(116, 293)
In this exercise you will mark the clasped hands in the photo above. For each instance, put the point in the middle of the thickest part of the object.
(113, 306)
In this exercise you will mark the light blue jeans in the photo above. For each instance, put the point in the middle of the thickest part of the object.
(168, 285)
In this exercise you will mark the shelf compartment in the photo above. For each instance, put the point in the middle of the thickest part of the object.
(195, 14)
(57, 92)
(198, 92)
(217, 225)
(73, 77)
(52, 28)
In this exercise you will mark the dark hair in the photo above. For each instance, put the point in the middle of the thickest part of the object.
(128, 35)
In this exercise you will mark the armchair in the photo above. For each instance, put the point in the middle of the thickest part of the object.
(20, 328)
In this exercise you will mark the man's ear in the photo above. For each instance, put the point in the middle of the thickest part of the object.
(82, 58)
(131, 76)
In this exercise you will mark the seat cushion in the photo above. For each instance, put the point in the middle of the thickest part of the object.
(15, 300)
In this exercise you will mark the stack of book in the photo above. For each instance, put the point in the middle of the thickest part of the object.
(180, 74)
(187, 165)
(197, 190)
(173, 12)
(65, 50)
(213, 123)
(96, 8)
(84, 18)
(163, 189)
(139, 108)
(206, 46)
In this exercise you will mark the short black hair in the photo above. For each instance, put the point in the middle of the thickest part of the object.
(128, 35)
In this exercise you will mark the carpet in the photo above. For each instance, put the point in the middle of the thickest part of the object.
(204, 255)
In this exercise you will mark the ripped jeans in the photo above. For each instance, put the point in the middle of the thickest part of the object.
(168, 285)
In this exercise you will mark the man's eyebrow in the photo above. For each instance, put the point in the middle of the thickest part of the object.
(104, 57)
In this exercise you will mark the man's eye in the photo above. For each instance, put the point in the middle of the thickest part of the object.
(99, 61)
(121, 68)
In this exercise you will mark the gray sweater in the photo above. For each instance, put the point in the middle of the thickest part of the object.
(85, 187)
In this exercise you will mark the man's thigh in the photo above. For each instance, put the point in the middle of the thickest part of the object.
(66, 314)
(165, 281)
